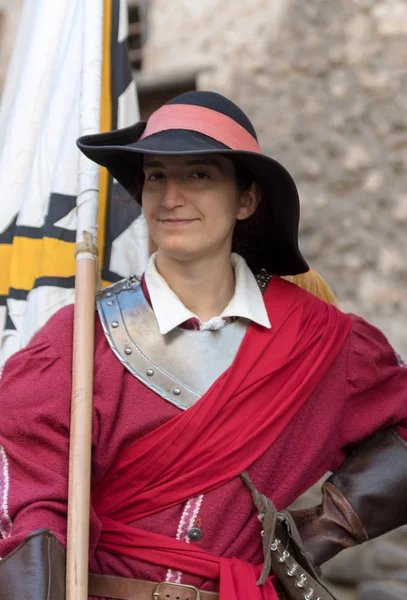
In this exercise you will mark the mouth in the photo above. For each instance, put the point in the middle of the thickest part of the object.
(176, 222)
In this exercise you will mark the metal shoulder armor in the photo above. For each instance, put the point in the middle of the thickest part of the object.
(179, 366)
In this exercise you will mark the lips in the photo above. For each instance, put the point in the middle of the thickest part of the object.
(176, 220)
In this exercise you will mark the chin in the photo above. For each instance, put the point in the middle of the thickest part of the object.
(181, 251)
(175, 244)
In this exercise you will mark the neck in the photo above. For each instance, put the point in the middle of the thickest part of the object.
(205, 286)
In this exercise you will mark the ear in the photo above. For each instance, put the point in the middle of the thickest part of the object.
(249, 201)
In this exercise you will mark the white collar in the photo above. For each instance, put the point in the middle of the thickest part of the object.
(246, 302)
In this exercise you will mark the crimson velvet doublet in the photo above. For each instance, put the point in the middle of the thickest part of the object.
(362, 389)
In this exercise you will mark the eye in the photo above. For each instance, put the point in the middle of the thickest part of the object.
(156, 176)
(200, 175)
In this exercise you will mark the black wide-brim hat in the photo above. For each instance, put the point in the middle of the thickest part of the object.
(198, 123)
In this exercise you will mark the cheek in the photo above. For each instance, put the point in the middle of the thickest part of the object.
(148, 205)
(226, 212)
(221, 223)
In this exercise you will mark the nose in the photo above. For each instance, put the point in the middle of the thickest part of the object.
(173, 195)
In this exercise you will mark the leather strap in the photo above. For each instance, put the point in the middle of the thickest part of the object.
(123, 588)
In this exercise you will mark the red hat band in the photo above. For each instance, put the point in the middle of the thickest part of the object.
(203, 120)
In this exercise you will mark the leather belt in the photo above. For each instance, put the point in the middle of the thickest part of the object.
(124, 588)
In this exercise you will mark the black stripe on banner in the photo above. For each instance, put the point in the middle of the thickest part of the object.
(9, 323)
(38, 233)
(18, 294)
(7, 236)
(34, 233)
(121, 75)
(110, 276)
(61, 282)
(60, 206)
(122, 210)
(59, 233)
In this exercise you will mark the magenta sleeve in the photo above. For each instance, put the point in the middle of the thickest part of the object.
(376, 395)
(34, 437)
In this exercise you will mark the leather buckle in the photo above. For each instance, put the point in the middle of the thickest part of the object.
(156, 592)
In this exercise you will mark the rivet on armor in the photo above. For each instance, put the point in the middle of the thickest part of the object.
(284, 556)
(310, 594)
(194, 534)
(128, 350)
(115, 324)
(291, 572)
(176, 391)
(150, 372)
(274, 545)
(109, 302)
(301, 582)
(108, 294)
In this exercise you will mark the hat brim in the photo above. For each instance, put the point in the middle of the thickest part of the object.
(274, 245)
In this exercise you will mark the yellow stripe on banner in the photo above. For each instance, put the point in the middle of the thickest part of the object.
(105, 125)
(105, 283)
(6, 251)
(33, 258)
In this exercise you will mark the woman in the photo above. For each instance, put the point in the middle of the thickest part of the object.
(224, 389)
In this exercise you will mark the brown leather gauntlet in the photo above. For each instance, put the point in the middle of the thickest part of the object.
(35, 570)
(363, 499)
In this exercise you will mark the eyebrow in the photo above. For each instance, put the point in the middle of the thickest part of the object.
(205, 161)
(195, 161)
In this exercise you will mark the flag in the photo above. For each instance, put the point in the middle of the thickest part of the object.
(45, 107)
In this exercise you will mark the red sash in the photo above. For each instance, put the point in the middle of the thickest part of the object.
(232, 425)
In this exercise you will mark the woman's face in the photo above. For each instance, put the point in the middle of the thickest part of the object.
(191, 204)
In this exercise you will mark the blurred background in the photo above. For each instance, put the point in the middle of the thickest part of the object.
(325, 84)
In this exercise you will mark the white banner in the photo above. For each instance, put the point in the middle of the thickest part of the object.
(52, 95)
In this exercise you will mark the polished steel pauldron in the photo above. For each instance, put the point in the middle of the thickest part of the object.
(181, 365)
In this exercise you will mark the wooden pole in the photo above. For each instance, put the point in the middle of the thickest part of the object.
(81, 430)
(80, 449)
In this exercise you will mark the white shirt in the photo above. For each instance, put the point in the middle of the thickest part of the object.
(247, 301)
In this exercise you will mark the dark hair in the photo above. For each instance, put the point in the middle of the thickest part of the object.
(247, 230)
(244, 177)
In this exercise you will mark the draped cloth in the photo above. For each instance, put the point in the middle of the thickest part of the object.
(238, 418)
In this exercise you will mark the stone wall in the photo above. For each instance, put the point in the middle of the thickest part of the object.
(325, 83)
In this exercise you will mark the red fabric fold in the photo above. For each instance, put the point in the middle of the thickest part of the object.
(232, 425)
(238, 578)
